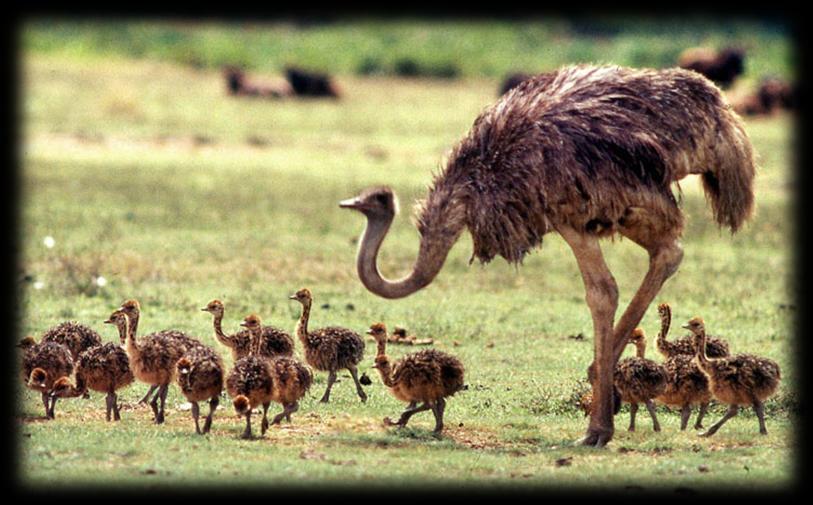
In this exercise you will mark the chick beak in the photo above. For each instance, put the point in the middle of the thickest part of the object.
(369, 332)
(292, 297)
(108, 321)
(686, 326)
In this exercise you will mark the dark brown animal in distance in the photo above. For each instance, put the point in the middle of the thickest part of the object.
(308, 83)
(237, 84)
(587, 152)
(722, 67)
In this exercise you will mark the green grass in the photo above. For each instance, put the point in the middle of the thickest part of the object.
(440, 47)
(147, 174)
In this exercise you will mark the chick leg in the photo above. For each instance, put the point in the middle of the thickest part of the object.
(331, 378)
(354, 373)
(247, 432)
(213, 403)
(264, 424)
(195, 416)
(151, 391)
(699, 422)
(685, 412)
(633, 411)
(402, 421)
(732, 411)
(651, 408)
(759, 410)
(438, 409)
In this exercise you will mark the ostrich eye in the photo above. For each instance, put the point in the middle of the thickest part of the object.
(382, 198)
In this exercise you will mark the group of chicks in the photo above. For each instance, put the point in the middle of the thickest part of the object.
(696, 369)
(264, 369)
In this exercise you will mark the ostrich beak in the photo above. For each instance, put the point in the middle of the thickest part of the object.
(204, 309)
(108, 321)
(292, 297)
(350, 203)
(685, 326)
(369, 332)
(243, 324)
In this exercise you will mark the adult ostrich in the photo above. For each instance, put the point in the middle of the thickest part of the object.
(587, 152)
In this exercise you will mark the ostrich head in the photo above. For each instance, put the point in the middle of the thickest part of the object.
(375, 203)
(38, 379)
(303, 296)
(378, 331)
(63, 388)
(132, 308)
(214, 307)
(698, 329)
(638, 339)
(121, 320)
(27, 342)
(695, 325)
(251, 322)
(242, 404)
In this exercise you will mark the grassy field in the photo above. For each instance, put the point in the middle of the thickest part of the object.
(147, 174)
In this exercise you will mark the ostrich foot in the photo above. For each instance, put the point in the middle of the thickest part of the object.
(390, 422)
(597, 438)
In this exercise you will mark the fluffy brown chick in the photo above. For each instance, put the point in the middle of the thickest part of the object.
(290, 379)
(179, 341)
(686, 384)
(743, 379)
(75, 336)
(200, 377)
(715, 347)
(329, 349)
(250, 384)
(428, 376)
(274, 341)
(152, 357)
(43, 364)
(640, 380)
(104, 368)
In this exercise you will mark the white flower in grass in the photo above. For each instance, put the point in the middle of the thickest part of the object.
(49, 242)
(101, 281)
(39, 285)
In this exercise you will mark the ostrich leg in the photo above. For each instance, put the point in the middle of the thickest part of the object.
(664, 258)
(601, 294)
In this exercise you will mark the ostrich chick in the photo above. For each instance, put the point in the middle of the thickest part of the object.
(290, 379)
(686, 384)
(75, 336)
(43, 365)
(200, 377)
(329, 349)
(152, 358)
(104, 368)
(427, 376)
(715, 347)
(743, 379)
(175, 342)
(274, 341)
(250, 384)
(640, 380)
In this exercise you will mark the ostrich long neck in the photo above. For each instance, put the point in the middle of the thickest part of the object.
(702, 359)
(218, 320)
(255, 337)
(134, 323)
(640, 349)
(383, 363)
(666, 320)
(302, 325)
(436, 242)
(125, 329)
